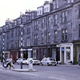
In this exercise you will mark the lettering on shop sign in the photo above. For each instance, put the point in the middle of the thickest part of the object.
(62, 49)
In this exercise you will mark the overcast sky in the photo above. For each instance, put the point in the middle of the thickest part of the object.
(12, 8)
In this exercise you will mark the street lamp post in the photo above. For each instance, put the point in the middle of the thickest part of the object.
(3, 55)
(21, 26)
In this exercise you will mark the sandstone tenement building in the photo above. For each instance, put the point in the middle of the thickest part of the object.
(51, 31)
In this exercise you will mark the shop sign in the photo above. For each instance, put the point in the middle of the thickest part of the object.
(62, 49)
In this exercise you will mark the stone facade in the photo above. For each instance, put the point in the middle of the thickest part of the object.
(47, 34)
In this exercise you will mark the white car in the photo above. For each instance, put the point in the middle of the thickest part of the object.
(34, 61)
(8, 60)
(48, 61)
(20, 60)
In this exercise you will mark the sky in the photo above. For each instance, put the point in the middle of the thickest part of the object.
(12, 8)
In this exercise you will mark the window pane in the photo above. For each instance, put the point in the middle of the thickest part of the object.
(62, 14)
(57, 3)
(62, 31)
(68, 53)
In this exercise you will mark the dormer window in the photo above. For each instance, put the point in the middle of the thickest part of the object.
(55, 4)
(70, 1)
(10, 25)
(40, 10)
(15, 23)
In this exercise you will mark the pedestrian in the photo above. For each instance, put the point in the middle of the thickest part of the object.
(11, 64)
(6, 65)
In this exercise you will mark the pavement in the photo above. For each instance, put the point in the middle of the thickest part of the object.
(34, 70)
(68, 65)
(17, 69)
(25, 70)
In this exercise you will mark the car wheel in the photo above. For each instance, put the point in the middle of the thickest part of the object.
(55, 65)
(48, 64)
(41, 64)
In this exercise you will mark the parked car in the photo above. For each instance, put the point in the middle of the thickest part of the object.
(37, 62)
(20, 60)
(8, 60)
(48, 61)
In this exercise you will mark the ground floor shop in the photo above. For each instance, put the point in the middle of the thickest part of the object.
(46, 51)
(21, 53)
(76, 52)
(66, 52)
(38, 52)
(25, 53)
(14, 54)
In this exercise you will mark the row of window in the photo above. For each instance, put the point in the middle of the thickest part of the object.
(47, 7)
(64, 37)
(50, 19)
(36, 24)
(56, 3)
(17, 32)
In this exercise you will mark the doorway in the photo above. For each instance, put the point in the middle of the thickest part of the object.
(48, 54)
(62, 57)
(25, 54)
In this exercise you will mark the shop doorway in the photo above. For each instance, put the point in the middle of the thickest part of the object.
(48, 54)
(57, 54)
(68, 53)
(25, 54)
(62, 57)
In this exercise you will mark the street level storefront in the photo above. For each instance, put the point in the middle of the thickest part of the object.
(14, 54)
(26, 53)
(44, 51)
(66, 52)
(76, 52)
(39, 52)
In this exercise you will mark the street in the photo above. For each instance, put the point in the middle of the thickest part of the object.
(43, 73)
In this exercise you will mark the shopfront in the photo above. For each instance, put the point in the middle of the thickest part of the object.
(44, 51)
(76, 52)
(39, 52)
(14, 54)
(26, 53)
(66, 53)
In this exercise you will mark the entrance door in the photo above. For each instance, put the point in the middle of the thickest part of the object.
(68, 53)
(58, 54)
(54, 53)
(48, 54)
(62, 57)
(62, 49)
(25, 54)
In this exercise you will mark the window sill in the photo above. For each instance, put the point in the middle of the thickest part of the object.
(64, 41)
(42, 43)
(48, 42)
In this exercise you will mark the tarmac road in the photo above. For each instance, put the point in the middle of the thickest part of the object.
(43, 73)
